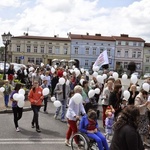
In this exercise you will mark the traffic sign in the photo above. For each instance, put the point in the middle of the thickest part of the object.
(21, 57)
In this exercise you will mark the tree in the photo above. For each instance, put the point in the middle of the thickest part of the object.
(131, 67)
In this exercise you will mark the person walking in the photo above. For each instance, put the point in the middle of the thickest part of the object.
(62, 94)
(17, 111)
(36, 98)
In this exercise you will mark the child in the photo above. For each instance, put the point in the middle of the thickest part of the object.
(109, 123)
(124, 103)
(7, 92)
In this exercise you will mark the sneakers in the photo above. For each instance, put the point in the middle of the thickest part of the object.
(63, 120)
(32, 125)
(55, 116)
(38, 130)
(17, 129)
(67, 143)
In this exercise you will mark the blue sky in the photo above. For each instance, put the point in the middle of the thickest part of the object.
(49, 17)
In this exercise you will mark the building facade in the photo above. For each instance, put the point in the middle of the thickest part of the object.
(36, 49)
(146, 58)
(85, 49)
(128, 49)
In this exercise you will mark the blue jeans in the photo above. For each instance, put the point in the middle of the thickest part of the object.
(63, 106)
(100, 140)
(6, 99)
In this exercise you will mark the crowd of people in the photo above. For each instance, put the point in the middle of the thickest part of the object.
(128, 119)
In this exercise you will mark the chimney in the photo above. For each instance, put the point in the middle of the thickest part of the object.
(97, 34)
(55, 36)
(87, 33)
(124, 35)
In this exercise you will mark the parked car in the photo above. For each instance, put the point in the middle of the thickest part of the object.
(2, 67)
(146, 75)
(17, 66)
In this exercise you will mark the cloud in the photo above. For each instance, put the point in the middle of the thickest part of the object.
(9, 3)
(79, 16)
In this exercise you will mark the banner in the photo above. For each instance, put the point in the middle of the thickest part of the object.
(102, 59)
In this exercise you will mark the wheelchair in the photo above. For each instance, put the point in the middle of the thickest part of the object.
(85, 143)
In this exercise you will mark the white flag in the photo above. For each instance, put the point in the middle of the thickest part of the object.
(102, 59)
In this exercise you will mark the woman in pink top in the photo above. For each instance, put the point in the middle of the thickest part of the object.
(36, 98)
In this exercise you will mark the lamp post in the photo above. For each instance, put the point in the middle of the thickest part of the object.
(6, 41)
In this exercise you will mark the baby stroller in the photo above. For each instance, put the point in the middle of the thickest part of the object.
(92, 104)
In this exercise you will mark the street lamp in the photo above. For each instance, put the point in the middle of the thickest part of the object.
(6, 41)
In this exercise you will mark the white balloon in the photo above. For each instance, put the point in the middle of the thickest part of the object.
(138, 88)
(2, 89)
(145, 87)
(21, 97)
(100, 79)
(33, 74)
(77, 72)
(20, 103)
(52, 70)
(42, 76)
(95, 68)
(134, 79)
(16, 96)
(82, 70)
(91, 93)
(124, 77)
(25, 72)
(57, 103)
(64, 73)
(31, 69)
(81, 81)
(42, 64)
(104, 76)
(73, 67)
(115, 75)
(77, 98)
(97, 90)
(71, 70)
(61, 80)
(95, 74)
(45, 91)
(126, 94)
(21, 91)
(87, 73)
(53, 99)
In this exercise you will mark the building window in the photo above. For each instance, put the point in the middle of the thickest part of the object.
(125, 65)
(65, 50)
(108, 52)
(86, 63)
(118, 53)
(38, 61)
(35, 49)
(87, 43)
(28, 41)
(94, 43)
(65, 44)
(101, 50)
(146, 69)
(87, 51)
(42, 49)
(101, 43)
(126, 54)
(127, 43)
(76, 50)
(134, 55)
(134, 43)
(119, 42)
(50, 51)
(18, 48)
(28, 49)
(147, 59)
(94, 51)
(17, 60)
(139, 44)
(139, 55)
(31, 60)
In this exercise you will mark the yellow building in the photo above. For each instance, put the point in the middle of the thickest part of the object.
(36, 49)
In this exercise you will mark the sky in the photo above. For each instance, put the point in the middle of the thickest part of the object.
(59, 17)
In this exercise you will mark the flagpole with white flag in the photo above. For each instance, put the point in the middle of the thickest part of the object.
(102, 59)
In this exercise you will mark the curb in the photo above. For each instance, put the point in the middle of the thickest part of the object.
(10, 110)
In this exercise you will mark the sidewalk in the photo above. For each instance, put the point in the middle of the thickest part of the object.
(3, 109)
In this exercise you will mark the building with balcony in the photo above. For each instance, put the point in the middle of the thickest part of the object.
(128, 49)
(85, 49)
(28, 49)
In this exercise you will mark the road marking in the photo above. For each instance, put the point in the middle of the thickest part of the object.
(31, 141)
